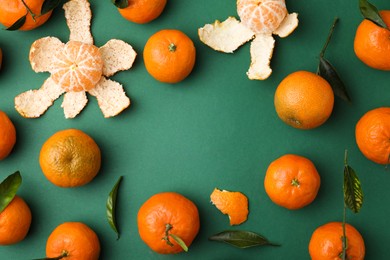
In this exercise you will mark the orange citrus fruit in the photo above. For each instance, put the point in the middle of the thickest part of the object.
(304, 100)
(15, 221)
(12, 10)
(73, 241)
(169, 56)
(372, 43)
(326, 242)
(79, 67)
(7, 135)
(262, 16)
(234, 204)
(143, 11)
(372, 135)
(70, 158)
(292, 181)
(165, 215)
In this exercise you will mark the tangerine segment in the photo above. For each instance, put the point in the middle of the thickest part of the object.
(262, 16)
(373, 135)
(78, 67)
(234, 204)
(326, 242)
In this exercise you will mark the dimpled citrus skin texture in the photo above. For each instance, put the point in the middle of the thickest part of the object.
(77, 239)
(7, 135)
(292, 181)
(372, 43)
(372, 135)
(143, 11)
(13, 10)
(15, 221)
(168, 208)
(169, 56)
(304, 100)
(70, 158)
(326, 244)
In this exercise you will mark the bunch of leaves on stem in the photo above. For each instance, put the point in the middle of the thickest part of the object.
(120, 3)
(370, 12)
(241, 239)
(8, 189)
(328, 72)
(111, 206)
(353, 198)
(47, 6)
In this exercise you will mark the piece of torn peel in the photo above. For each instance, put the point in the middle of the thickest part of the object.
(76, 68)
(232, 203)
(259, 21)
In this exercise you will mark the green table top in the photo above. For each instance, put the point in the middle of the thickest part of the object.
(217, 128)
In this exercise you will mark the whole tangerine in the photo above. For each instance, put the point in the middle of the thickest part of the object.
(143, 11)
(372, 43)
(7, 135)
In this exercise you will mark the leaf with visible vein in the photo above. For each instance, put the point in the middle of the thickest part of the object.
(120, 3)
(353, 194)
(111, 206)
(8, 189)
(49, 5)
(18, 24)
(370, 12)
(241, 239)
(329, 73)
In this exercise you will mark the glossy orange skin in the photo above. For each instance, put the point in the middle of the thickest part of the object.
(13, 10)
(372, 43)
(169, 56)
(292, 181)
(143, 11)
(168, 208)
(15, 221)
(304, 100)
(372, 135)
(326, 242)
(70, 158)
(77, 239)
(7, 135)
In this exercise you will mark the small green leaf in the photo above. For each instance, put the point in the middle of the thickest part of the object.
(180, 242)
(120, 3)
(8, 189)
(49, 5)
(18, 24)
(329, 73)
(111, 206)
(370, 12)
(241, 239)
(353, 193)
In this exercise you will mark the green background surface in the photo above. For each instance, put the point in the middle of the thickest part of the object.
(217, 128)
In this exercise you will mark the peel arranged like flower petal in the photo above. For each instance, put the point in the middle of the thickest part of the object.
(226, 36)
(117, 56)
(42, 52)
(33, 103)
(110, 96)
(289, 24)
(73, 103)
(78, 18)
(261, 50)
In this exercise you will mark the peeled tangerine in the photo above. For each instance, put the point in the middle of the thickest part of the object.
(260, 19)
(234, 204)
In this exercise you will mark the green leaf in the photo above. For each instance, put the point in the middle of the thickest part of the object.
(19, 23)
(329, 73)
(111, 206)
(120, 3)
(353, 194)
(180, 242)
(8, 189)
(241, 239)
(49, 5)
(370, 12)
